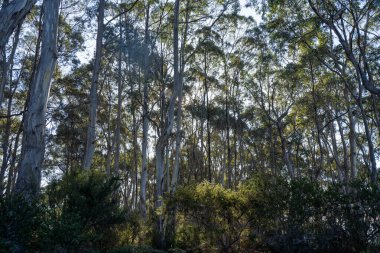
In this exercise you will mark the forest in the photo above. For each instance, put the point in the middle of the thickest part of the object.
(137, 126)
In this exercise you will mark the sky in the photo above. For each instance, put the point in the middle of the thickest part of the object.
(248, 11)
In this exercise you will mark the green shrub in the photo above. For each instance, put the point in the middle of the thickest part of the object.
(210, 218)
(83, 212)
(271, 214)
(136, 249)
(20, 225)
(78, 213)
(301, 216)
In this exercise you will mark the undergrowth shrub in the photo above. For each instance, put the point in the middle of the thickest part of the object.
(20, 225)
(83, 211)
(209, 218)
(78, 213)
(271, 214)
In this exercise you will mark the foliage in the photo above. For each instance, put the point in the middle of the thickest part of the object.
(136, 249)
(209, 218)
(20, 224)
(86, 204)
(271, 214)
(78, 213)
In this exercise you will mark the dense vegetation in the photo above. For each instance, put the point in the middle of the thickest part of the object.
(80, 213)
(197, 126)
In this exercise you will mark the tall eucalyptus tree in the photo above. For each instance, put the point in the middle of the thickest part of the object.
(33, 140)
(93, 97)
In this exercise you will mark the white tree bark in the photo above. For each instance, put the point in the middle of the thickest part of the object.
(119, 102)
(179, 107)
(144, 168)
(163, 139)
(91, 130)
(33, 145)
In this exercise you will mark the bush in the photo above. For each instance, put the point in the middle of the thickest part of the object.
(83, 212)
(307, 218)
(210, 218)
(136, 249)
(272, 214)
(78, 213)
(20, 225)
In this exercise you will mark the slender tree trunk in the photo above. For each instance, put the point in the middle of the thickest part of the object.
(371, 149)
(207, 109)
(203, 116)
(352, 137)
(12, 165)
(209, 171)
(224, 163)
(33, 145)
(317, 125)
(375, 101)
(164, 137)
(135, 146)
(284, 147)
(160, 154)
(345, 150)
(352, 141)
(272, 149)
(119, 102)
(171, 220)
(91, 130)
(12, 15)
(179, 107)
(8, 124)
(227, 118)
(144, 173)
(235, 136)
(167, 170)
(110, 140)
(335, 150)
(6, 145)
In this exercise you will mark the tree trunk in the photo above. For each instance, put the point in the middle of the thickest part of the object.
(284, 147)
(11, 15)
(144, 168)
(91, 130)
(371, 149)
(164, 137)
(352, 130)
(317, 124)
(33, 145)
(335, 153)
(352, 140)
(227, 118)
(110, 141)
(119, 102)
(179, 108)
(223, 165)
(345, 150)
(12, 165)
(8, 124)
